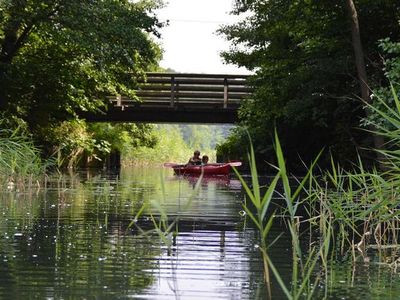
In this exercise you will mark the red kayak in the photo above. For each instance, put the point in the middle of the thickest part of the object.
(209, 169)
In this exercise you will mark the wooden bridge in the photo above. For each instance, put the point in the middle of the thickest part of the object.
(180, 97)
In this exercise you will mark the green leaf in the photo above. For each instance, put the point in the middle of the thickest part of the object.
(268, 196)
(252, 217)
(249, 192)
(267, 227)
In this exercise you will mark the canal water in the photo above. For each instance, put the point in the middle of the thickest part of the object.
(80, 237)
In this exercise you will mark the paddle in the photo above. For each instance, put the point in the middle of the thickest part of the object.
(231, 163)
(235, 163)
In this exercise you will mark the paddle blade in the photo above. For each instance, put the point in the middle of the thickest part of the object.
(235, 163)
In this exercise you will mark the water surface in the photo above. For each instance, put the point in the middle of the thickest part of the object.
(72, 239)
(78, 238)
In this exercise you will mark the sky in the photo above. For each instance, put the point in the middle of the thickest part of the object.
(190, 41)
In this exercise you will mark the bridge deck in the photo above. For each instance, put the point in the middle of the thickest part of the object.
(181, 97)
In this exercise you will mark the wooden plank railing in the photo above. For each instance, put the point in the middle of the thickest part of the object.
(189, 90)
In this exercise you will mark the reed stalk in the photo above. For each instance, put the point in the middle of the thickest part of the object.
(302, 267)
(20, 161)
(361, 206)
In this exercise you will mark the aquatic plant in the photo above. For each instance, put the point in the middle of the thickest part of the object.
(363, 204)
(261, 205)
(302, 266)
(20, 160)
(344, 211)
(358, 211)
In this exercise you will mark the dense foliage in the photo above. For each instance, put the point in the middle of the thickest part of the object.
(61, 57)
(305, 74)
(384, 95)
(58, 57)
(77, 143)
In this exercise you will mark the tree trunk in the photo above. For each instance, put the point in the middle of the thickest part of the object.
(16, 32)
(8, 51)
(361, 70)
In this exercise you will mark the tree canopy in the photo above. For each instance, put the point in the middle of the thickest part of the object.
(58, 57)
(305, 73)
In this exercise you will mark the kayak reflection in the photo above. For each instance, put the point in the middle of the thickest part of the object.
(223, 181)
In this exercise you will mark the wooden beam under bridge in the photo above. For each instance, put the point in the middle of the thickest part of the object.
(165, 115)
(181, 98)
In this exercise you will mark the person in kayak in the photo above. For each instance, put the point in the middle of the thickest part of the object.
(195, 160)
(204, 160)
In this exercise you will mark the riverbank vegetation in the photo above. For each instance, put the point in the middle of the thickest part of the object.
(81, 144)
(61, 58)
(306, 77)
(20, 160)
(346, 216)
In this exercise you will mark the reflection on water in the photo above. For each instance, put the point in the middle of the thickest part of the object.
(72, 240)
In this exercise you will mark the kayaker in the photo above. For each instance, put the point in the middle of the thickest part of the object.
(204, 160)
(195, 160)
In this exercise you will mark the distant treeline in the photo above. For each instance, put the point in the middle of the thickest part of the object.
(178, 142)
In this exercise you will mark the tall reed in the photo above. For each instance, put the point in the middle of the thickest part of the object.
(363, 205)
(20, 160)
(343, 210)
(302, 265)
(361, 208)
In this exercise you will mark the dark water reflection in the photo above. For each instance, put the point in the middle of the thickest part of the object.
(72, 241)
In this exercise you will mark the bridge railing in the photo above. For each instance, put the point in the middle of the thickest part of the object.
(189, 90)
